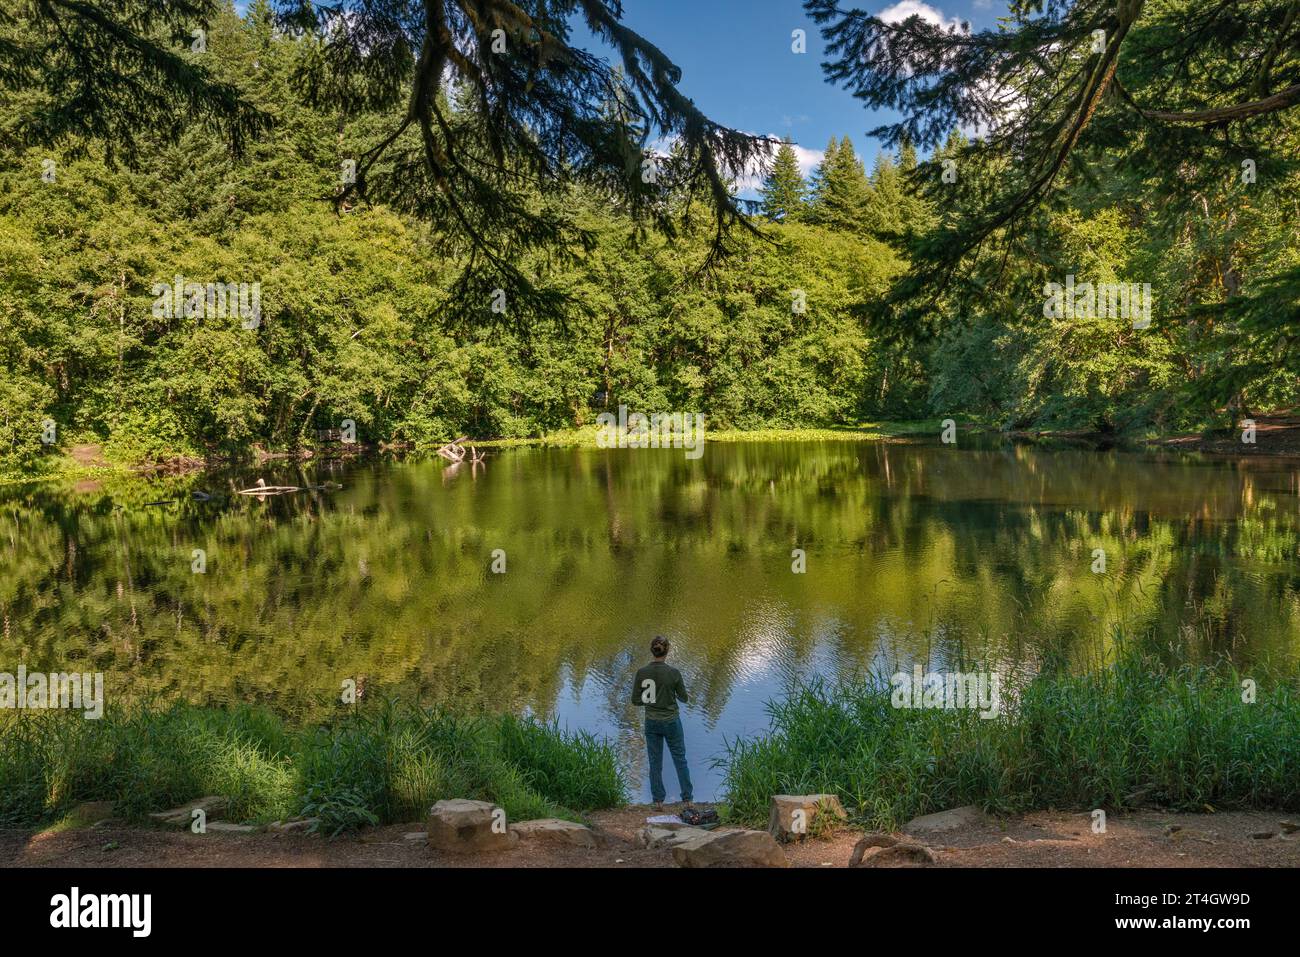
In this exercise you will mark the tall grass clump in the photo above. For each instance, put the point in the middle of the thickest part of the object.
(384, 763)
(143, 758)
(1136, 733)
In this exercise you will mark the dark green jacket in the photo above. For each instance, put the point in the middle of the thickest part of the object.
(660, 698)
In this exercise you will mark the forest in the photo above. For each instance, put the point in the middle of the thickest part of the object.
(810, 319)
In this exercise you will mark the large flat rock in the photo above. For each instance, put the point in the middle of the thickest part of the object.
(730, 849)
(656, 835)
(552, 830)
(950, 820)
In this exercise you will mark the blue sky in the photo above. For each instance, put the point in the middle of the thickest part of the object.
(738, 66)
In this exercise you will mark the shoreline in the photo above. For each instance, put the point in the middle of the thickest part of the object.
(1276, 435)
(1045, 839)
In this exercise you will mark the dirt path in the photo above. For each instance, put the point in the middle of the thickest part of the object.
(1045, 839)
(1276, 434)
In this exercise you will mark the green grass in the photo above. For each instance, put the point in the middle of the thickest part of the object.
(386, 763)
(864, 431)
(1129, 735)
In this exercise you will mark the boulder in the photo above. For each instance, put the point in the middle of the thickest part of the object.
(730, 849)
(552, 830)
(213, 806)
(468, 827)
(792, 815)
(950, 820)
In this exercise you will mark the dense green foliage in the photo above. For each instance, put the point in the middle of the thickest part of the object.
(358, 318)
(1131, 735)
(382, 764)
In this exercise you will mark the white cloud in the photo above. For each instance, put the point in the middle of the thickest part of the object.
(808, 158)
(900, 11)
(751, 181)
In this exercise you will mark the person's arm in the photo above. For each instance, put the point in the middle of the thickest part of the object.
(680, 689)
(636, 690)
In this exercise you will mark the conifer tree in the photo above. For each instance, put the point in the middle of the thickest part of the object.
(841, 191)
(784, 188)
(100, 71)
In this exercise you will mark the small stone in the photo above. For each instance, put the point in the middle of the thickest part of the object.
(792, 815)
(295, 825)
(1263, 835)
(415, 836)
(225, 827)
(1288, 827)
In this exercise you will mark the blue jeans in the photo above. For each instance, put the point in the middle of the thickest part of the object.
(656, 733)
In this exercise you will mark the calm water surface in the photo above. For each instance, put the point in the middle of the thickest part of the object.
(913, 553)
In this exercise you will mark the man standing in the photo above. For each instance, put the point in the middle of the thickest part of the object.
(658, 687)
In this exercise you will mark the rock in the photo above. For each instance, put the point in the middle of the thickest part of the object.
(896, 854)
(225, 827)
(552, 830)
(1263, 835)
(213, 806)
(415, 836)
(792, 815)
(654, 836)
(300, 824)
(92, 812)
(730, 849)
(1288, 827)
(466, 827)
(951, 820)
(870, 841)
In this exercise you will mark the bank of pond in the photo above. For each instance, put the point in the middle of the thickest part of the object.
(1135, 734)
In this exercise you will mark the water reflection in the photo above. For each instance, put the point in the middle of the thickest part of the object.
(912, 551)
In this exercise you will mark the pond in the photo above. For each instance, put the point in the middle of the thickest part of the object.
(911, 552)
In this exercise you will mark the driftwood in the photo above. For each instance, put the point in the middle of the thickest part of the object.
(452, 450)
(261, 488)
(455, 451)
